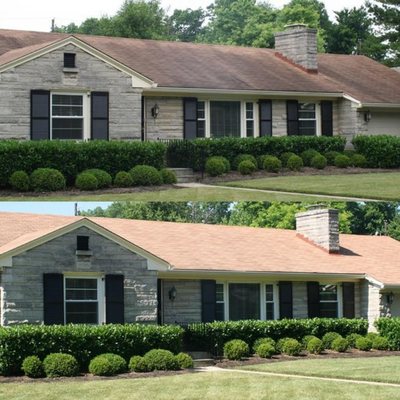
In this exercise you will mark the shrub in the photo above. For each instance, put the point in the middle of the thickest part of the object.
(351, 339)
(272, 164)
(137, 364)
(318, 162)
(19, 180)
(291, 347)
(107, 364)
(342, 161)
(260, 161)
(236, 349)
(160, 360)
(358, 160)
(371, 335)
(184, 361)
(285, 158)
(59, 364)
(364, 344)
(168, 176)
(315, 346)
(86, 181)
(243, 157)
(265, 350)
(340, 345)
(330, 157)
(33, 367)
(215, 166)
(265, 340)
(328, 338)
(104, 179)
(380, 343)
(306, 339)
(247, 167)
(123, 179)
(145, 175)
(295, 163)
(390, 329)
(47, 180)
(308, 155)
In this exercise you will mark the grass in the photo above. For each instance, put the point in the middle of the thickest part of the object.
(381, 186)
(377, 369)
(202, 386)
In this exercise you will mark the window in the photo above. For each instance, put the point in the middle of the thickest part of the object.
(201, 119)
(220, 303)
(82, 243)
(69, 60)
(269, 302)
(328, 301)
(244, 301)
(249, 119)
(84, 300)
(224, 118)
(307, 119)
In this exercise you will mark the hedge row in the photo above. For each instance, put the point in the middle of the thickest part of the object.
(212, 336)
(390, 328)
(73, 157)
(83, 341)
(194, 153)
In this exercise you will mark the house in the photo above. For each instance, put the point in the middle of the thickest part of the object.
(62, 86)
(56, 270)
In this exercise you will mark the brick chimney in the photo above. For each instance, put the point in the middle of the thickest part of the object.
(320, 226)
(298, 44)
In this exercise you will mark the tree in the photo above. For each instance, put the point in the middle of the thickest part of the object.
(393, 229)
(186, 25)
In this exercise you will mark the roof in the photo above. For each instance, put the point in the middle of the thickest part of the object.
(212, 248)
(203, 66)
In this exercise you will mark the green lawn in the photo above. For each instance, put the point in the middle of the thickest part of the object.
(382, 186)
(202, 386)
(378, 369)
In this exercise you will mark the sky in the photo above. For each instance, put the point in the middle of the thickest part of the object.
(37, 15)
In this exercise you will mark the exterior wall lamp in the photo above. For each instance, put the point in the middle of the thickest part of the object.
(367, 116)
(172, 293)
(155, 110)
(390, 298)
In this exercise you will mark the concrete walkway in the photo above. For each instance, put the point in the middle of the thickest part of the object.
(196, 185)
(318, 378)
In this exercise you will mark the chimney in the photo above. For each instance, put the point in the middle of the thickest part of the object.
(298, 44)
(320, 226)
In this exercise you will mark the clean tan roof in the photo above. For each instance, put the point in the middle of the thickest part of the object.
(189, 65)
(225, 248)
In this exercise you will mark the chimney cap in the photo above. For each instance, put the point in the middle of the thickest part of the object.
(296, 26)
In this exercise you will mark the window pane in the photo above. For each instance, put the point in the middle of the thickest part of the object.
(328, 292)
(306, 107)
(220, 292)
(76, 283)
(201, 110)
(225, 118)
(270, 311)
(81, 289)
(201, 128)
(249, 128)
(269, 293)
(68, 100)
(81, 313)
(219, 312)
(65, 128)
(328, 310)
(244, 301)
(249, 110)
(67, 111)
(307, 127)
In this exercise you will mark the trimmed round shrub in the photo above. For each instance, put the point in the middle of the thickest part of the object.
(351, 339)
(260, 161)
(372, 335)
(215, 166)
(86, 181)
(19, 180)
(47, 180)
(295, 163)
(160, 360)
(291, 347)
(272, 164)
(340, 345)
(242, 157)
(226, 162)
(265, 350)
(145, 175)
(342, 161)
(380, 343)
(285, 158)
(138, 364)
(123, 179)
(315, 346)
(328, 338)
(184, 361)
(364, 344)
(60, 364)
(306, 339)
(308, 155)
(318, 162)
(266, 340)
(330, 157)
(168, 176)
(33, 367)
(104, 178)
(236, 349)
(107, 364)
(247, 167)
(358, 160)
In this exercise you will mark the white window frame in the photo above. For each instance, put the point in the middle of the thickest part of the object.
(318, 129)
(85, 112)
(339, 297)
(101, 308)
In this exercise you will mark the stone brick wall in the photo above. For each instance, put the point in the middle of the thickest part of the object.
(371, 304)
(23, 282)
(46, 73)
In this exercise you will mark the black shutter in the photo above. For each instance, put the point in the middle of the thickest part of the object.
(326, 118)
(190, 118)
(285, 300)
(99, 116)
(53, 299)
(208, 300)
(115, 299)
(313, 299)
(292, 108)
(265, 117)
(40, 115)
(348, 300)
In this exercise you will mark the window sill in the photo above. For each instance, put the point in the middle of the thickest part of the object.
(86, 253)
(71, 70)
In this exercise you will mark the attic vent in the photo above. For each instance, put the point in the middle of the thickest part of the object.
(82, 243)
(69, 60)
